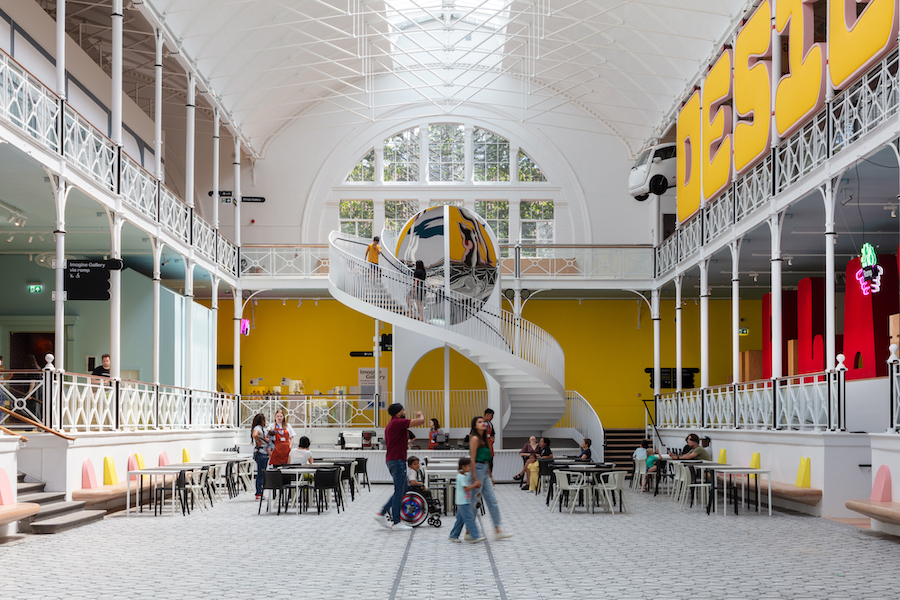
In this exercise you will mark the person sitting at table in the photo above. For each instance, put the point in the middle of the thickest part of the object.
(650, 461)
(705, 443)
(585, 450)
(301, 455)
(435, 430)
(529, 454)
(695, 450)
(412, 474)
(640, 453)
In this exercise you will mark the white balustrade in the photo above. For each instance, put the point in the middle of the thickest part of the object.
(582, 417)
(690, 236)
(28, 104)
(174, 215)
(227, 254)
(89, 150)
(720, 407)
(667, 255)
(137, 405)
(754, 188)
(869, 102)
(802, 152)
(754, 404)
(690, 409)
(718, 216)
(667, 410)
(312, 411)
(174, 407)
(86, 403)
(894, 370)
(802, 402)
(579, 262)
(22, 392)
(138, 187)
(204, 237)
(284, 261)
(449, 310)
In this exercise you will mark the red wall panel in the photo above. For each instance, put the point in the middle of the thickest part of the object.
(811, 325)
(866, 334)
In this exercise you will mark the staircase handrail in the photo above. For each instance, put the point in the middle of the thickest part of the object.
(11, 432)
(652, 420)
(587, 421)
(33, 423)
(491, 325)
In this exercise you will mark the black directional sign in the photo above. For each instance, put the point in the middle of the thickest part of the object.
(667, 377)
(89, 279)
(363, 354)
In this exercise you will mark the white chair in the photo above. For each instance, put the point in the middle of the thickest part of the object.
(678, 480)
(639, 479)
(245, 474)
(214, 481)
(610, 485)
(571, 482)
(690, 485)
(196, 485)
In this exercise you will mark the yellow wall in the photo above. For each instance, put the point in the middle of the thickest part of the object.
(607, 348)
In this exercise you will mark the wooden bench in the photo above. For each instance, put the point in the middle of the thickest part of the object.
(11, 511)
(780, 489)
(879, 505)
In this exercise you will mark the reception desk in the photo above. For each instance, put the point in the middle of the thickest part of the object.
(507, 463)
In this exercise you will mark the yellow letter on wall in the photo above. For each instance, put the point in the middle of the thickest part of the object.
(800, 93)
(752, 89)
(854, 44)
(717, 126)
(690, 143)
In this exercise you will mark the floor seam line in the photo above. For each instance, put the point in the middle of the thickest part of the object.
(496, 571)
(399, 576)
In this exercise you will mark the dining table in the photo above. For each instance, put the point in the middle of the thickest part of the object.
(579, 466)
(730, 472)
(446, 476)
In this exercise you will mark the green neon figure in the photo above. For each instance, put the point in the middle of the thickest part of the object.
(867, 256)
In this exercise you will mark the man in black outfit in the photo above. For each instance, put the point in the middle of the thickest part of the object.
(103, 369)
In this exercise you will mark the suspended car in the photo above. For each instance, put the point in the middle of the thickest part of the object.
(653, 172)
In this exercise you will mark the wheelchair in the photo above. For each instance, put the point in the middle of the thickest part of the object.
(415, 509)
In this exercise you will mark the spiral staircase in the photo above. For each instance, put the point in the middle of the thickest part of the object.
(525, 360)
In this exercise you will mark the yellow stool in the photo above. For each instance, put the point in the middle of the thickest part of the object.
(109, 471)
(803, 473)
(754, 460)
(722, 457)
(185, 455)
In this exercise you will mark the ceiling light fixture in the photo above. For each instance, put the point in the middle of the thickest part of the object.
(41, 237)
(10, 238)
(11, 218)
(30, 237)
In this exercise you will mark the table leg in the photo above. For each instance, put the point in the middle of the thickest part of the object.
(770, 492)
(141, 495)
(128, 496)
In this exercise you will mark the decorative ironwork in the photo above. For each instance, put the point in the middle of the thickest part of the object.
(174, 215)
(667, 255)
(28, 104)
(139, 187)
(227, 254)
(690, 236)
(753, 189)
(284, 261)
(718, 216)
(204, 237)
(90, 151)
(802, 152)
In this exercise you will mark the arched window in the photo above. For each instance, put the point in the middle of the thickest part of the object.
(528, 169)
(365, 169)
(490, 154)
(446, 152)
(401, 156)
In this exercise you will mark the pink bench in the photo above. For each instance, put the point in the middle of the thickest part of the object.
(10, 510)
(879, 505)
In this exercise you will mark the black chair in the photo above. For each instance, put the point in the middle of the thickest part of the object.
(545, 470)
(231, 480)
(345, 476)
(180, 492)
(327, 479)
(272, 480)
(361, 464)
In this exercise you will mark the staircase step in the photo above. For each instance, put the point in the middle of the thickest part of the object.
(29, 488)
(42, 497)
(67, 521)
(20, 477)
(55, 509)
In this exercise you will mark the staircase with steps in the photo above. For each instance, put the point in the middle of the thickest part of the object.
(56, 513)
(620, 445)
(527, 362)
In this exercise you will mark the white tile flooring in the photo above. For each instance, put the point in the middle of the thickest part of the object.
(656, 551)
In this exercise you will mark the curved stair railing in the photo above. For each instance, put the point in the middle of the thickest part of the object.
(392, 289)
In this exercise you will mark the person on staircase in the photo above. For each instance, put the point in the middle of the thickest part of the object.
(373, 251)
(282, 434)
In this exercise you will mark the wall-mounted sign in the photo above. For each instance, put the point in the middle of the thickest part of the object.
(227, 197)
(744, 331)
(869, 273)
(367, 381)
(35, 288)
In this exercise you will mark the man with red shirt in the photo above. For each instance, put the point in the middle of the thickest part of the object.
(396, 440)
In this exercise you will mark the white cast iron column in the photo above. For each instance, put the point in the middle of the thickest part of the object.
(775, 230)
(704, 323)
(654, 315)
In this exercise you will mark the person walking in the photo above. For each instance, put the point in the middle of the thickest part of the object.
(480, 454)
(396, 439)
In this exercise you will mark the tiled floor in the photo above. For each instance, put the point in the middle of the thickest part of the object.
(656, 551)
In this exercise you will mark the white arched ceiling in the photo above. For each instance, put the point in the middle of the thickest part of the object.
(621, 65)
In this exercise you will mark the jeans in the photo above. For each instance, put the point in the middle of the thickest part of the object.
(262, 460)
(465, 515)
(398, 474)
(487, 492)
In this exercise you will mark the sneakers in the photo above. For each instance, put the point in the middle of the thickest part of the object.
(467, 537)
(382, 520)
(259, 496)
(401, 526)
(502, 535)
(453, 539)
(481, 539)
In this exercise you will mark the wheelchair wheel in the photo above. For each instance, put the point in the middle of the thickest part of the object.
(413, 509)
(434, 520)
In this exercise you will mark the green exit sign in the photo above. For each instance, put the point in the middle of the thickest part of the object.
(744, 331)
(35, 288)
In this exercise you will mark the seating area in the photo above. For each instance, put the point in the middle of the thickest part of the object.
(879, 505)
(327, 482)
(10, 510)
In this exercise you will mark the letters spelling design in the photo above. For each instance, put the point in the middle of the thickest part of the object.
(854, 44)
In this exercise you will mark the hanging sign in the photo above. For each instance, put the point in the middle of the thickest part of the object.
(869, 274)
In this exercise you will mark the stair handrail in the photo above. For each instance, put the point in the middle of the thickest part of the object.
(587, 421)
(40, 426)
(492, 325)
(11, 432)
(652, 420)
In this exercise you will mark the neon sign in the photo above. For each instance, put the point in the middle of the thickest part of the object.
(869, 274)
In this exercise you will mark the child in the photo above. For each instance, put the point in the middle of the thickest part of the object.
(465, 515)
(412, 476)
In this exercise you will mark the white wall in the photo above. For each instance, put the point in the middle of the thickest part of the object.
(834, 461)
(885, 451)
(868, 405)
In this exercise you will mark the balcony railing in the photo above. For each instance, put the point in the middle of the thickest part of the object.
(859, 109)
(32, 108)
(803, 402)
(303, 261)
(562, 261)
